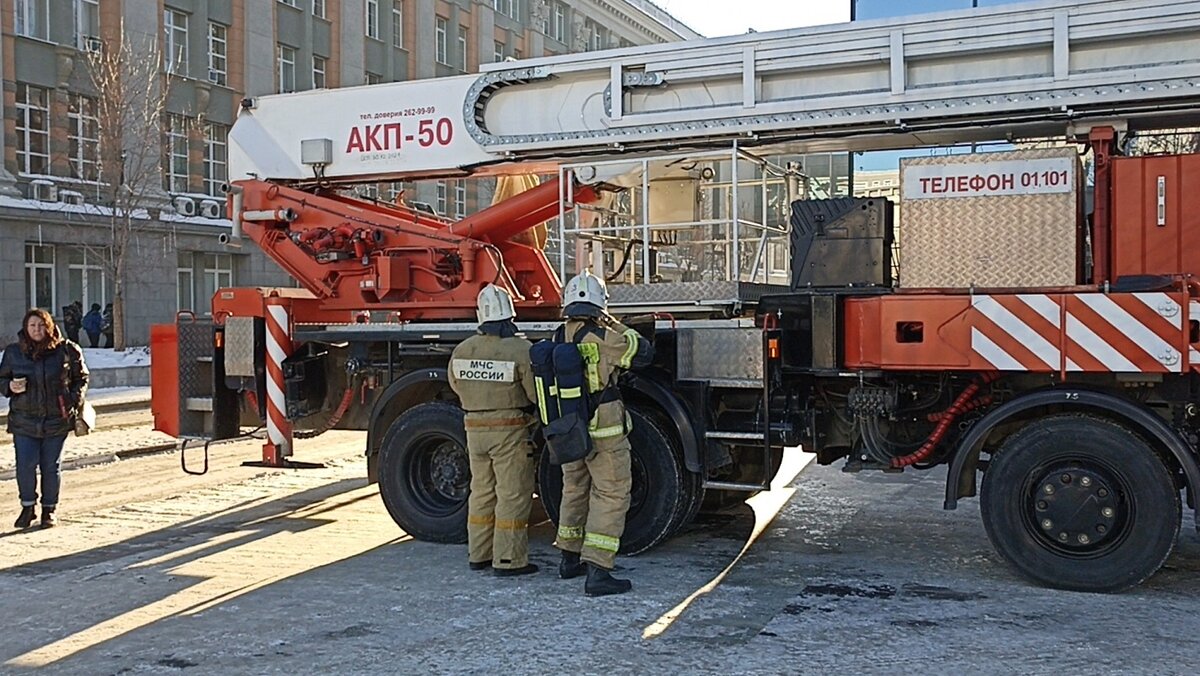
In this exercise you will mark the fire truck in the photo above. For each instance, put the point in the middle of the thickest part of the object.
(1044, 356)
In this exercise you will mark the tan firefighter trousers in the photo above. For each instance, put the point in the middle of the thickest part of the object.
(595, 500)
(501, 488)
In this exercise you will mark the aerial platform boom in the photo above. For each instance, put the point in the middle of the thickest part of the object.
(1016, 70)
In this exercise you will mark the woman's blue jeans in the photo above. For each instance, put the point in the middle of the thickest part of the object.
(34, 453)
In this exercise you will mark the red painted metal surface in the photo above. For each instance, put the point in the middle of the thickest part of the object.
(1156, 215)
(164, 377)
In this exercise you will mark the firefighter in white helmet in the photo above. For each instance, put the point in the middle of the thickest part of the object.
(596, 489)
(490, 373)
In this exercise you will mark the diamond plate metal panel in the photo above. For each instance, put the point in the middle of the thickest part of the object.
(195, 375)
(690, 293)
(724, 356)
(239, 346)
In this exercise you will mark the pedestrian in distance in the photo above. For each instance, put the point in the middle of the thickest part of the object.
(93, 324)
(491, 374)
(73, 320)
(596, 490)
(106, 328)
(45, 379)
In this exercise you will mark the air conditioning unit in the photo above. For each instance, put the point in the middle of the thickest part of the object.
(93, 44)
(70, 197)
(214, 76)
(43, 191)
(184, 206)
(211, 209)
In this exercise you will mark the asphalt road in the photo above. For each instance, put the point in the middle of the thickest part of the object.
(247, 571)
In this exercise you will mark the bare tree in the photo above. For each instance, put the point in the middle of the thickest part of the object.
(131, 96)
(1176, 142)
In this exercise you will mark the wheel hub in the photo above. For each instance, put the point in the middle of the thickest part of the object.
(449, 472)
(1076, 508)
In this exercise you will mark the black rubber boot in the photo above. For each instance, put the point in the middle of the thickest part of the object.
(601, 583)
(527, 569)
(570, 567)
(480, 565)
(26, 518)
(48, 518)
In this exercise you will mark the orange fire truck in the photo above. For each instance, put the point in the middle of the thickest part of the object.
(1038, 328)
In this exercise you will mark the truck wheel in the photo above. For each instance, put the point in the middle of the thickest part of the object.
(657, 500)
(424, 473)
(1080, 503)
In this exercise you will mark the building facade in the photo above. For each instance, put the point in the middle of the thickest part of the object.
(213, 53)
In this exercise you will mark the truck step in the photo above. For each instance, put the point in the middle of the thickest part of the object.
(733, 486)
(734, 436)
(204, 404)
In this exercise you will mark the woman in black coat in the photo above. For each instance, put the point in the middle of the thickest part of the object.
(45, 378)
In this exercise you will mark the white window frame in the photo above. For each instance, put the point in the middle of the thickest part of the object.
(289, 3)
(439, 201)
(32, 266)
(318, 8)
(319, 65)
(175, 44)
(509, 8)
(398, 25)
(371, 9)
(285, 59)
(464, 37)
(441, 28)
(498, 51)
(177, 150)
(460, 200)
(83, 137)
(26, 133)
(220, 273)
(218, 53)
(185, 270)
(87, 295)
(558, 21)
(26, 15)
(87, 22)
(216, 158)
(371, 78)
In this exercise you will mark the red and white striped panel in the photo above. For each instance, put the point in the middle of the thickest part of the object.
(279, 346)
(1086, 332)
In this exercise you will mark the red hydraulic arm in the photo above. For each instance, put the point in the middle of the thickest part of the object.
(355, 255)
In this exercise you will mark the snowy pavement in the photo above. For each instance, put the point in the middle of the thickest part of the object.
(109, 396)
(248, 571)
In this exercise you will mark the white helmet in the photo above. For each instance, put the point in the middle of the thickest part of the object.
(586, 288)
(494, 304)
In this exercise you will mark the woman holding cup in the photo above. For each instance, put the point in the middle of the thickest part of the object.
(45, 379)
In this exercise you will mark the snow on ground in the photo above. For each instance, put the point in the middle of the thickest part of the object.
(105, 396)
(107, 358)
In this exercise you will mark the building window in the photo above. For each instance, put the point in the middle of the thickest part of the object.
(216, 158)
(439, 203)
(87, 23)
(510, 8)
(218, 274)
(218, 63)
(176, 174)
(286, 56)
(33, 130)
(596, 39)
(319, 9)
(83, 137)
(460, 200)
(439, 42)
(398, 24)
(395, 193)
(33, 18)
(185, 280)
(498, 52)
(372, 78)
(86, 281)
(39, 276)
(318, 72)
(373, 19)
(175, 46)
(289, 3)
(463, 39)
(558, 22)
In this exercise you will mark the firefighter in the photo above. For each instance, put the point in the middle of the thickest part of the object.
(491, 375)
(596, 489)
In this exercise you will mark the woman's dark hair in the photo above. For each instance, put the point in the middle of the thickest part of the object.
(95, 306)
(52, 340)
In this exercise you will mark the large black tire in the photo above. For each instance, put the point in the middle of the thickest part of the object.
(1077, 502)
(425, 474)
(659, 498)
